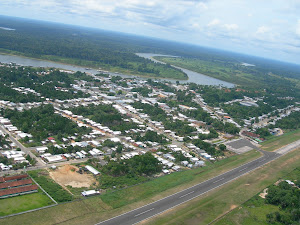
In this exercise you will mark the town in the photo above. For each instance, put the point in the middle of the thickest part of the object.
(89, 131)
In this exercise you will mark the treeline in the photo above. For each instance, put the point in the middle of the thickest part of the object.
(82, 46)
(122, 173)
(288, 199)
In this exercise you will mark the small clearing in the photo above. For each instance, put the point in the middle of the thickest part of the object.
(264, 193)
(67, 176)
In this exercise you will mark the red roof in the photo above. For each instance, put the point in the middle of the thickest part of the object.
(51, 138)
(250, 134)
(18, 190)
(17, 177)
(15, 183)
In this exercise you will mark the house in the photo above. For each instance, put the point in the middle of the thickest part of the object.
(41, 150)
(92, 170)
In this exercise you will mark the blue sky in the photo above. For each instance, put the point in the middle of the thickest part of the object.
(266, 28)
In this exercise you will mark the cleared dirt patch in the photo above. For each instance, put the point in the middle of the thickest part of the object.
(67, 175)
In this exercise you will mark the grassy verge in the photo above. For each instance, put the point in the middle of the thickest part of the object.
(23, 203)
(50, 186)
(170, 73)
(95, 209)
(253, 211)
(277, 142)
(186, 178)
(210, 206)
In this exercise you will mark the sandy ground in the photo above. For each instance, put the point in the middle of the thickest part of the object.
(264, 193)
(67, 175)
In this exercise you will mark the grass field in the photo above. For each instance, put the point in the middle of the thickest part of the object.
(210, 206)
(277, 142)
(23, 203)
(253, 211)
(94, 209)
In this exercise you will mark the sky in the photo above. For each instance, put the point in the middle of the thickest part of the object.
(265, 28)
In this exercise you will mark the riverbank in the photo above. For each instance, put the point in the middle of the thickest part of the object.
(166, 73)
(194, 77)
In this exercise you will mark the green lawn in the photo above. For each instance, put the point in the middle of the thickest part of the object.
(23, 203)
(255, 210)
(218, 202)
(277, 142)
(95, 209)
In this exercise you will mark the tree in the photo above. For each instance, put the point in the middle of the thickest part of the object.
(222, 147)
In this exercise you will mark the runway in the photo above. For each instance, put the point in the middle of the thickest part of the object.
(155, 208)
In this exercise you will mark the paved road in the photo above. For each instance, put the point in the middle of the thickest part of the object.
(171, 201)
(22, 147)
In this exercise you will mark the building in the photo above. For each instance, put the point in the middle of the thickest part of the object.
(17, 183)
(90, 193)
(92, 170)
(18, 191)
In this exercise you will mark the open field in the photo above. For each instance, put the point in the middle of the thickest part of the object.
(67, 176)
(23, 203)
(94, 209)
(206, 208)
(253, 211)
(56, 191)
(277, 142)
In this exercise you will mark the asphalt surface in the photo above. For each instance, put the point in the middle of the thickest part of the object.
(155, 208)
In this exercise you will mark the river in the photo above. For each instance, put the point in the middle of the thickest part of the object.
(193, 76)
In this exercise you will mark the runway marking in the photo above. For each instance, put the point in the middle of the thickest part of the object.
(218, 180)
(187, 194)
(242, 169)
(143, 212)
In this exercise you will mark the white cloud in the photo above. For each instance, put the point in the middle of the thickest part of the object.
(231, 27)
(214, 22)
(298, 28)
(262, 30)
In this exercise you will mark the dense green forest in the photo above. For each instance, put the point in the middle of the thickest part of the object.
(42, 123)
(80, 46)
(46, 84)
(122, 173)
(287, 198)
(115, 51)
(290, 122)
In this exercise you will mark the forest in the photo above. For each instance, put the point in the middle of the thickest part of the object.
(122, 173)
(42, 122)
(287, 198)
(46, 84)
(81, 46)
